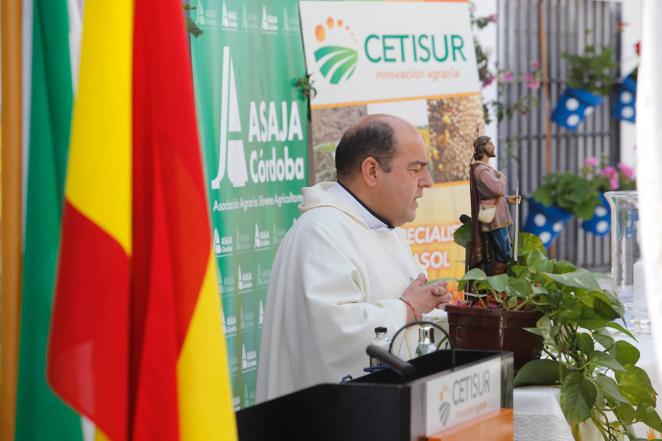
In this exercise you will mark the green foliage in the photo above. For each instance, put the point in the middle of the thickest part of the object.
(570, 192)
(591, 70)
(191, 27)
(599, 378)
(305, 86)
(543, 371)
(462, 235)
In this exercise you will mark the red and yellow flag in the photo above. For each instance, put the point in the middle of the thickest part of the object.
(136, 343)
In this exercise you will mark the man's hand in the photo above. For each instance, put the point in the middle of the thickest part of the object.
(424, 298)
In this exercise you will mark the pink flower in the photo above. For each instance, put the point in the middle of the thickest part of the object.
(609, 171)
(627, 171)
(613, 182)
(535, 64)
(528, 77)
(492, 18)
(508, 76)
(487, 81)
(591, 161)
(533, 84)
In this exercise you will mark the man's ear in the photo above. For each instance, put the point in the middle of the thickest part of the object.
(370, 171)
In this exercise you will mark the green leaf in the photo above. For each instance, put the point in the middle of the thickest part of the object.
(609, 388)
(498, 283)
(538, 290)
(605, 310)
(578, 279)
(604, 359)
(537, 372)
(590, 319)
(520, 270)
(606, 342)
(537, 261)
(474, 274)
(462, 236)
(518, 287)
(563, 266)
(625, 353)
(535, 331)
(620, 328)
(577, 397)
(647, 414)
(625, 413)
(635, 385)
(584, 342)
(530, 242)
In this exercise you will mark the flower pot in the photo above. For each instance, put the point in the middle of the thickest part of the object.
(600, 223)
(545, 222)
(625, 106)
(495, 330)
(573, 106)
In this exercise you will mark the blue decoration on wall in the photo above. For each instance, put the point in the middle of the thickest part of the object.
(600, 223)
(573, 107)
(626, 100)
(545, 222)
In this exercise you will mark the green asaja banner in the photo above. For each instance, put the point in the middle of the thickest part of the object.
(254, 131)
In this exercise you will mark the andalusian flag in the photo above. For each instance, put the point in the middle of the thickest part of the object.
(40, 415)
(136, 343)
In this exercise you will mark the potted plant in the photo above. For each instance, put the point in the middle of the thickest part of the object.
(605, 178)
(556, 200)
(597, 373)
(589, 80)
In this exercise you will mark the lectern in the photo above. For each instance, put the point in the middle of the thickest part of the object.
(472, 401)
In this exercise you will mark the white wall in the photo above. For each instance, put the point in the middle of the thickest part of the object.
(631, 10)
(488, 40)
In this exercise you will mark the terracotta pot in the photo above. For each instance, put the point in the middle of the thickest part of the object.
(495, 330)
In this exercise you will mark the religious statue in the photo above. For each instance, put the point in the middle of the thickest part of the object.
(490, 248)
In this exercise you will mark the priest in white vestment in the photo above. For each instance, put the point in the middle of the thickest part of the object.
(344, 268)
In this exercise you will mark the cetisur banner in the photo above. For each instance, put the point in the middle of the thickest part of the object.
(415, 60)
(254, 130)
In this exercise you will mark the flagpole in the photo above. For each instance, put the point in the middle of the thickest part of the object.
(11, 210)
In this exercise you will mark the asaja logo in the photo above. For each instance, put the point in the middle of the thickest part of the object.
(222, 244)
(262, 237)
(248, 359)
(266, 124)
(206, 16)
(228, 18)
(338, 58)
(444, 407)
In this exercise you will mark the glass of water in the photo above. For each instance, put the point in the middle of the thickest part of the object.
(624, 254)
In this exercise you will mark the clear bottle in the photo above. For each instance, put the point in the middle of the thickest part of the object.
(425, 341)
(382, 341)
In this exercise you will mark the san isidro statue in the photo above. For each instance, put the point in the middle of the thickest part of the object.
(490, 248)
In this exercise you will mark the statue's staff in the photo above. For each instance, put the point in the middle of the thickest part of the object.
(516, 225)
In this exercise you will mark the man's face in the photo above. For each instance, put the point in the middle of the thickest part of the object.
(399, 189)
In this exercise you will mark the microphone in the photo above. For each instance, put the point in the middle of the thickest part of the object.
(397, 364)
(464, 218)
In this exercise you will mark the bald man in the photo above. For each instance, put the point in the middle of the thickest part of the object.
(345, 267)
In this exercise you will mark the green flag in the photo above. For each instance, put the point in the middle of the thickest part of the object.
(40, 414)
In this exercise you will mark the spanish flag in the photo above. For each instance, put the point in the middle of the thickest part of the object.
(136, 344)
